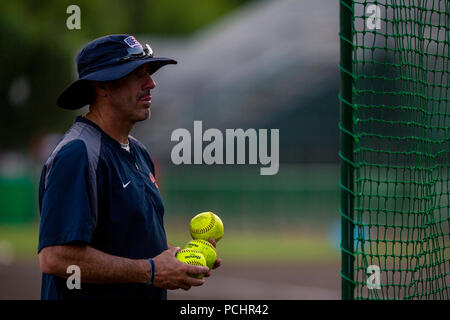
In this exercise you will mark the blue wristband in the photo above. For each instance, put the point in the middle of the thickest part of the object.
(152, 271)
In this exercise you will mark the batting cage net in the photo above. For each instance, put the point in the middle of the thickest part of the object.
(395, 132)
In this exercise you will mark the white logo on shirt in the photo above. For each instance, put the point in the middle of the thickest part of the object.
(126, 185)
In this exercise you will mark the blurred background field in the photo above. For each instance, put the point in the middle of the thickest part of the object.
(289, 216)
(285, 229)
(242, 64)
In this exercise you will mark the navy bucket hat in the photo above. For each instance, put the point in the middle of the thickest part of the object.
(105, 59)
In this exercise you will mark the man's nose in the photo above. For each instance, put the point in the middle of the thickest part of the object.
(149, 82)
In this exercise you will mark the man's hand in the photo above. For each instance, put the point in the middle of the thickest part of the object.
(218, 261)
(173, 274)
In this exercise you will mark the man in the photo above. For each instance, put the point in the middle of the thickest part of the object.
(100, 205)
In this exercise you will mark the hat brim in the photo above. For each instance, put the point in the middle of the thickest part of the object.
(81, 93)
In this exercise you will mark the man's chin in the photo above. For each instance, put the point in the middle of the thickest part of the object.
(142, 112)
(146, 114)
(142, 115)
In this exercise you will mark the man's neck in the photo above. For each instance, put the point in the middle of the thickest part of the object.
(115, 128)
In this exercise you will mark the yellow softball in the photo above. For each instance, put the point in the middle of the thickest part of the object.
(205, 248)
(206, 225)
(192, 257)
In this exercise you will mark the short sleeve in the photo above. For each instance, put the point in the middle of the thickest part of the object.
(66, 215)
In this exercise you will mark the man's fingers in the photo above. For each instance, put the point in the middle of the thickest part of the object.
(173, 251)
(185, 286)
(217, 263)
(195, 270)
(194, 282)
(212, 241)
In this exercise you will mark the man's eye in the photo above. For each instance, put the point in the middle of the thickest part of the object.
(141, 73)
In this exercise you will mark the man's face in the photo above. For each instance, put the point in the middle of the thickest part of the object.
(130, 95)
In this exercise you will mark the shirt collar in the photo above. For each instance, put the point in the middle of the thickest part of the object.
(97, 127)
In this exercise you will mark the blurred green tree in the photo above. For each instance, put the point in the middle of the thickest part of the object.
(38, 51)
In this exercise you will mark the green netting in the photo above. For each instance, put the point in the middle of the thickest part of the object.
(400, 135)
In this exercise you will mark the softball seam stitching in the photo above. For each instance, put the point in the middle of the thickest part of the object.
(204, 242)
(208, 227)
(194, 262)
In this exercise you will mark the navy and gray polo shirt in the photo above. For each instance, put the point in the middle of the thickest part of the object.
(94, 192)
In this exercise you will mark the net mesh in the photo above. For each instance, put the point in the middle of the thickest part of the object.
(401, 130)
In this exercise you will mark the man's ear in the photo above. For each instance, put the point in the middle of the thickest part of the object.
(98, 88)
(103, 86)
(100, 84)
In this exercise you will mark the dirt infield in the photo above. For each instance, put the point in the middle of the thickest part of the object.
(296, 281)
(20, 280)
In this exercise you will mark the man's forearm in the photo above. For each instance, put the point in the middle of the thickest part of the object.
(95, 265)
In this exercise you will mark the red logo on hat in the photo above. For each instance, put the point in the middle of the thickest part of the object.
(131, 42)
(152, 178)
